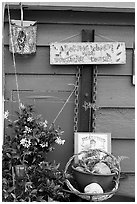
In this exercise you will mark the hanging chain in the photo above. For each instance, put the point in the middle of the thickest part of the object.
(76, 100)
(95, 74)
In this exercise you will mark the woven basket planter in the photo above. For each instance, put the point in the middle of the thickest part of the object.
(110, 183)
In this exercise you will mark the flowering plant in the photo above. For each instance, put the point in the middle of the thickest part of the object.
(28, 144)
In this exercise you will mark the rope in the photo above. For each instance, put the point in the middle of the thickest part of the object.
(104, 37)
(21, 8)
(63, 106)
(99, 35)
(13, 56)
(72, 36)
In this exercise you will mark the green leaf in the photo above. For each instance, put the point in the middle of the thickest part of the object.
(6, 195)
(56, 187)
(34, 191)
(8, 155)
(34, 159)
(16, 157)
(11, 189)
(13, 195)
(4, 181)
(41, 190)
(22, 200)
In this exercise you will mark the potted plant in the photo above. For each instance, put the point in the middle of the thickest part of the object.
(98, 167)
(27, 174)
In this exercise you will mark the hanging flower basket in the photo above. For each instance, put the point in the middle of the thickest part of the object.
(22, 38)
(95, 170)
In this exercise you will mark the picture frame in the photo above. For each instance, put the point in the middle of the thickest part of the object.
(89, 140)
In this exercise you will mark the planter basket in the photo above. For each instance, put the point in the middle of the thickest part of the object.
(73, 188)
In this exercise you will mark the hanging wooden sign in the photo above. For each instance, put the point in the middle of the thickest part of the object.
(87, 53)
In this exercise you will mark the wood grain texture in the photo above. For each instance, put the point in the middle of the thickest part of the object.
(40, 82)
(49, 33)
(125, 148)
(127, 186)
(39, 64)
(115, 91)
(120, 122)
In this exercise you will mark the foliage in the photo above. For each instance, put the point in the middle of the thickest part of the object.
(89, 159)
(36, 179)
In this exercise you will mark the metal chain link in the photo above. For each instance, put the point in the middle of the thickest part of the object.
(86, 105)
(76, 99)
(95, 74)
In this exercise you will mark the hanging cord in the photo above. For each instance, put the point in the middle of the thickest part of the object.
(67, 38)
(13, 56)
(63, 106)
(21, 8)
(76, 91)
(104, 37)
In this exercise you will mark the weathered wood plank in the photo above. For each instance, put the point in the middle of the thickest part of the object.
(49, 33)
(115, 91)
(39, 64)
(127, 186)
(39, 83)
(74, 17)
(120, 122)
(125, 148)
(118, 93)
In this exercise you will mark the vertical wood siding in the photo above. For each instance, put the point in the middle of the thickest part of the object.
(47, 87)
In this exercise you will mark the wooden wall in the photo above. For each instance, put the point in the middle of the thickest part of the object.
(48, 86)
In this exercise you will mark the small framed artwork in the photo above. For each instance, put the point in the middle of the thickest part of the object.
(88, 140)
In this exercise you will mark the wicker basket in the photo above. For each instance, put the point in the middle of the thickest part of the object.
(87, 196)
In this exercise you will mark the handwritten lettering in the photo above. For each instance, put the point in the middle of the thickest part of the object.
(88, 53)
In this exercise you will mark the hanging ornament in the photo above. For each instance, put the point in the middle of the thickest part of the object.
(22, 36)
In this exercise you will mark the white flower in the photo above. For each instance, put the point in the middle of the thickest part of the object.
(25, 142)
(22, 106)
(44, 144)
(60, 141)
(40, 123)
(27, 130)
(45, 123)
(6, 114)
(29, 119)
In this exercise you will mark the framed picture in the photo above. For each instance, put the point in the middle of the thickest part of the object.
(88, 140)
